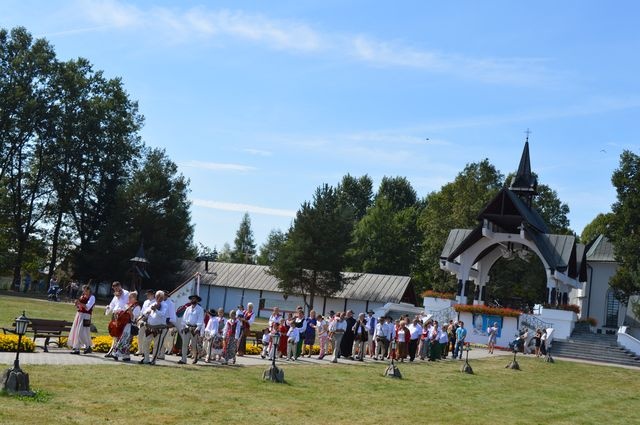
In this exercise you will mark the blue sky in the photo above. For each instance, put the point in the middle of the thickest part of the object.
(261, 102)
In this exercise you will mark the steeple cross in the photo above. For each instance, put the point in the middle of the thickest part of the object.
(528, 132)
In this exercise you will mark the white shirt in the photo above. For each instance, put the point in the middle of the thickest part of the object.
(215, 325)
(274, 318)
(146, 306)
(390, 330)
(443, 337)
(90, 303)
(294, 334)
(118, 303)
(159, 317)
(380, 331)
(193, 315)
(341, 325)
(171, 311)
(416, 331)
(321, 327)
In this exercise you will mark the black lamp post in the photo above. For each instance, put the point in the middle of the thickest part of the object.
(15, 381)
(466, 367)
(514, 363)
(274, 373)
(392, 370)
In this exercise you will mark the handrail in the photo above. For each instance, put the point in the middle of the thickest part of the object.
(444, 315)
(533, 322)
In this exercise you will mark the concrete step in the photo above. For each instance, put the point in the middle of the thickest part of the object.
(600, 351)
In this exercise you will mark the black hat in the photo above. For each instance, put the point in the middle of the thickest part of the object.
(151, 291)
(195, 296)
(332, 313)
(370, 312)
(212, 312)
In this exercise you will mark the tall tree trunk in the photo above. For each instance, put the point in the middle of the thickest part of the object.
(17, 266)
(54, 245)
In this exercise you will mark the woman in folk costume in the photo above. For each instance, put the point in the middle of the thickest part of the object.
(404, 335)
(232, 333)
(284, 328)
(123, 344)
(310, 334)
(79, 335)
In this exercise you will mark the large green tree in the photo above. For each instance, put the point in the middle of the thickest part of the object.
(270, 250)
(598, 226)
(624, 227)
(311, 261)
(27, 67)
(356, 194)
(244, 249)
(386, 241)
(455, 205)
(152, 208)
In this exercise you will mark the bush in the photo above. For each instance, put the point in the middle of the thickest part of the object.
(9, 343)
(565, 307)
(590, 320)
(435, 294)
(483, 309)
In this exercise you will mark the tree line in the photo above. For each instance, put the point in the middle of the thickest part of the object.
(79, 186)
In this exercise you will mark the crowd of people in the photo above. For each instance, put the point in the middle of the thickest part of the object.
(346, 336)
(209, 336)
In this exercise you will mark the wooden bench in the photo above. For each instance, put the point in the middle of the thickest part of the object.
(257, 337)
(47, 329)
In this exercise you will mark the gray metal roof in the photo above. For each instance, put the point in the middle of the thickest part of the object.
(601, 250)
(366, 286)
(455, 238)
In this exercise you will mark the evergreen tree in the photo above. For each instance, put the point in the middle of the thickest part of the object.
(312, 259)
(244, 250)
(270, 250)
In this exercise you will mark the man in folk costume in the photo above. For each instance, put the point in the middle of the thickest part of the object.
(172, 323)
(79, 335)
(156, 328)
(144, 312)
(275, 316)
(118, 304)
(191, 326)
(249, 317)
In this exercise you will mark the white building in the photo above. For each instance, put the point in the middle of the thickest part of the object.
(228, 285)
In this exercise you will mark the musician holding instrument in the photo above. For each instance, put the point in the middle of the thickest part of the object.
(191, 326)
(126, 320)
(79, 335)
(117, 304)
(156, 327)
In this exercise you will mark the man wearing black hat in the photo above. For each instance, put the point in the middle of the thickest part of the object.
(191, 328)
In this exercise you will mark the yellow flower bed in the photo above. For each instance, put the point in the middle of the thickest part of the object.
(101, 344)
(10, 343)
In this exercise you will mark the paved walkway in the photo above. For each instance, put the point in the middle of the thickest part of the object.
(62, 357)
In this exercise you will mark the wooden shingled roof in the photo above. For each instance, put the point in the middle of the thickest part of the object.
(366, 286)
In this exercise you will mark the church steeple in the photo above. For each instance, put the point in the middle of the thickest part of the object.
(525, 183)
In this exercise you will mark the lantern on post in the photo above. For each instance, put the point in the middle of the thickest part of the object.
(14, 380)
(274, 373)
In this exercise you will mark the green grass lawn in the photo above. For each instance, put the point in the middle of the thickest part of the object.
(560, 393)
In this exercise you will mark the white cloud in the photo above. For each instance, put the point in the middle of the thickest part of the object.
(521, 71)
(217, 166)
(254, 209)
(291, 35)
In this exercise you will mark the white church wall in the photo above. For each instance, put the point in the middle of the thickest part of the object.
(600, 274)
